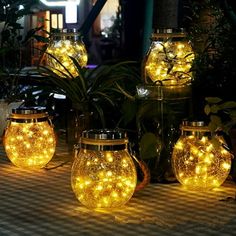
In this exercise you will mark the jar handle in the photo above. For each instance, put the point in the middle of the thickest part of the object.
(146, 174)
(50, 118)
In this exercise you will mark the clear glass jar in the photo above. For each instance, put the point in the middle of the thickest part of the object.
(103, 173)
(62, 46)
(29, 139)
(161, 110)
(169, 59)
(200, 161)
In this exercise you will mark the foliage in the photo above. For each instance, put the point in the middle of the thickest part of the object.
(214, 41)
(12, 43)
(99, 90)
(222, 114)
(11, 38)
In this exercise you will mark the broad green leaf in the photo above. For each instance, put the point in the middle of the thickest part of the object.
(228, 105)
(207, 109)
(216, 120)
(215, 108)
(213, 100)
(212, 127)
(215, 123)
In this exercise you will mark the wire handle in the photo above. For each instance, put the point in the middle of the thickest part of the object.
(146, 174)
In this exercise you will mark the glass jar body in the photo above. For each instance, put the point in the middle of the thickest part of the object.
(200, 162)
(62, 47)
(169, 59)
(29, 145)
(103, 179)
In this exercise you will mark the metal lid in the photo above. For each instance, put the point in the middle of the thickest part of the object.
(193, 123)
(168, 33)
(104, 140)
(199, 126)
(29, 114)
(29, 110)
(104, 134)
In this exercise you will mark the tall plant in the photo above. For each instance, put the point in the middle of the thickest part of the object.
(97, 90)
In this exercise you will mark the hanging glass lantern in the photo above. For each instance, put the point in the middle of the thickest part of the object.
(103, 173)
(169, 58)
(63, 46)
(200, 161)
(29, 138)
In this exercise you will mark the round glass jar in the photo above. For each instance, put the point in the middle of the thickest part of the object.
(29, 139)
(200, 161)
(103, 173)
(62, 46)
(169, 58)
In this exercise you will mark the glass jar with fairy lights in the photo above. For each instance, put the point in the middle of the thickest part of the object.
(200, 161)
(103, 174)
(29, 139)
(169, 59)
(62, 47)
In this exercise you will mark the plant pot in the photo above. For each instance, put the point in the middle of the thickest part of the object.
(77, 122)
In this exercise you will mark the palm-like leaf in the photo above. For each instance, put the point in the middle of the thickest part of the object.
(95, 89)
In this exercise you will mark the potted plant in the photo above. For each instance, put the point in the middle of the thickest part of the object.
(94, 96)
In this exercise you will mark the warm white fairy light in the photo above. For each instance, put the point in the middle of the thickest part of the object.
(170, 61)
(103, 179)
(200, 165)
(30, 145)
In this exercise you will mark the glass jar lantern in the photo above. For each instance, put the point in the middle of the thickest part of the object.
(169, 58)
(63, 46)
(29, 138)
(200, 161)
(103, 173)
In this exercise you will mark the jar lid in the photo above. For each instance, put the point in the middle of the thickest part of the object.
(194, 126)
(29, 114)
(104, 134)
(193, 123)
(168, 33)
(29, 110)
(103, 140)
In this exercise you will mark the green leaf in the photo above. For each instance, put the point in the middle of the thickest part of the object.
(212, 127)
(39, 38)
(232, 114)
(124, 92)
(213, 100)
(215, 108)
(215, 123)
(216, 120)
(148, 146)
(228, 105)
(207, 109)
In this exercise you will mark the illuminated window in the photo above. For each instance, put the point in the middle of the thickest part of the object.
(70, 8)
(57, 21)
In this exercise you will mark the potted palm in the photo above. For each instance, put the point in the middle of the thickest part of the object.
(94, 94)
